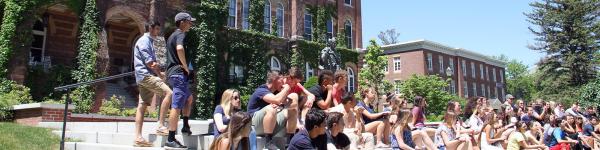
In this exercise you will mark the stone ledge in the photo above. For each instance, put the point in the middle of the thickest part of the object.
(42, 105)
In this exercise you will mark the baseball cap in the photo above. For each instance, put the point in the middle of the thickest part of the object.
(508, 96)
(184, 16)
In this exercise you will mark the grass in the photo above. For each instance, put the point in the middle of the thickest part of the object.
(19, 137)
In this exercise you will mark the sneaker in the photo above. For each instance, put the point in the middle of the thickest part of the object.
(186, 131)
(174, 144)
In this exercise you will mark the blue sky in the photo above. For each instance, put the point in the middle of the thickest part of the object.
(487, 27)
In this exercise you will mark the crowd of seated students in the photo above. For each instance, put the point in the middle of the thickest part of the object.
(326, 116)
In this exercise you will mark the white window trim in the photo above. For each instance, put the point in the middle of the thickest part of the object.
(481, 71)
(332, 28)
(487, 73)
(309, 71)
(349, 5)
(235, 16)
(399, 67)
(351, 43)
(494, 74)
(282, 19)
(429, 62)
(275, 60)
(441, 63)
(451, 64)
(464, 68)
(269, 22)
(465, 89)
(43, 49)
(473, 70)
(351, 77)
(483, 90)
(397, 86)
(474, 89)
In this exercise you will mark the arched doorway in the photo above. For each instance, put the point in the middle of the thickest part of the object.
(123, 28)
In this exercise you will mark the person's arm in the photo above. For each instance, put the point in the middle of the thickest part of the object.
(310, 98)
(335, 92)
(595, 135)
(524, 145)
(414, 118)
(279, 98)
(218, 118)
(558, 136)
(324, 104)
(181, 56)
(541, 116)
(488, 136)
(448, 141)
(373, 115)
(400, 139)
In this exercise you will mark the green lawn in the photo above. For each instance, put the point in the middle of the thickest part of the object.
(18, 137)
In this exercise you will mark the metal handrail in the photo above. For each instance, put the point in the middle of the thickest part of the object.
(68, 98)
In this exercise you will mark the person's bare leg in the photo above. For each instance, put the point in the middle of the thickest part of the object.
(417, 139)
(269, 120)
(187, 109)
(173, 119)
(386, 131)
(376, 127)
(292, 113)
(139, 120)
(426, 139)
(164, 107)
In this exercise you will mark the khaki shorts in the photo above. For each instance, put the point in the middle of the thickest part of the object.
(280, 125)
(150, 86)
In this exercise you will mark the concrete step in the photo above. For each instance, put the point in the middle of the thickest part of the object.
(126, 139)
(198, 127)
(96, 146)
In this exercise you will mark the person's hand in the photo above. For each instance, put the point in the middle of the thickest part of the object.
(385, 113)
(285, 86)
(162, 75)
(329, 87)
(309, 103)
(358, 109)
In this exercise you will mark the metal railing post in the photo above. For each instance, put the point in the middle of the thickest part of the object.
(64, 128)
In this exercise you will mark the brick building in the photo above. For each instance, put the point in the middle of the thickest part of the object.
(471, 74)
(55, 32)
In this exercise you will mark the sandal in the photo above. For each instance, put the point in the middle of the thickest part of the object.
(163, 131)
(142, 143)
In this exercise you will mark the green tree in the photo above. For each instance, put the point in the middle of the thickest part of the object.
(430, 87)
(590, 94)
(389, 36)
(372, 74)
(567, 31)
(519, 81)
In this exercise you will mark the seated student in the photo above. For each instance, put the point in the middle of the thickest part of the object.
(403, 135)
(532, 115)
(237, 136)
(339, 87)
(418, 113)
(535, 134)
(558, 139)
(376, 123)
(315, 126)
(230, 102)
(589, 135)
(269, 116)
(335, 126)
(488, 140)
(323, 91)
(306, 98)
(446, 137)
(517, 141)
(354, 125)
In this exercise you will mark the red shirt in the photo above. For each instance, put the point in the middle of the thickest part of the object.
(337, 95)
(298, 89)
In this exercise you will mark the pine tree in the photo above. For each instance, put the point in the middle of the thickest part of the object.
(568, 32)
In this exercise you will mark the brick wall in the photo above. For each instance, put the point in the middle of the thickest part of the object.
(35, 115)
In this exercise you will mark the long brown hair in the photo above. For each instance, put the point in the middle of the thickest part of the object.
(239, 121)
(404, 115)
(489, 119)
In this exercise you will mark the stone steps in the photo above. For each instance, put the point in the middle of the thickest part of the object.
(97, 146)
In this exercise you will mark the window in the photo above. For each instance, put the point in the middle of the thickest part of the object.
(481, 71)
(267, 16)
(496, 92)
(350, 79)
(275, 65)
(429, 62)
(397, 64)
(474, 89)
(441, 63)
(279, 15)
(385, 68)
(487, 73)
(245, 12)
(502, 91)
(329, 24)
(38, 45)
(348, 30)
(348, 2)
(453, 87)
(232, 13)
(451, 64)
(472, 69)
(236, 73)
(489, 93)
(465, 89)
(502, 77)
(397, 84)
(464, 68)
(309, 71)
(494, 74)
(482, 90)
(307, 25)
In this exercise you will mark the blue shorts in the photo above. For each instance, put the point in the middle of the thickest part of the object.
(181, 90)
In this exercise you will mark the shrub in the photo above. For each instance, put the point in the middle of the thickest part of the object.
(312, 81)
(14, 94)
(112, 107)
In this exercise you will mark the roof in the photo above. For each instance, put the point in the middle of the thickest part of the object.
(434, 46)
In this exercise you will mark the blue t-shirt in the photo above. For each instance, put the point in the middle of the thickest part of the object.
(219, 110)
(406, 137)
(301, 141)
(370, 110)
(556, 134)
(588, 129)
(256, 101)
(526, 118)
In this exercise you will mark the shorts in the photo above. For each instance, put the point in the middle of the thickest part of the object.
(280, 125)
(150, 86)
(181, 90)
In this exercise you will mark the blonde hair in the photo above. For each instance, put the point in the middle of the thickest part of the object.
(226, 99)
